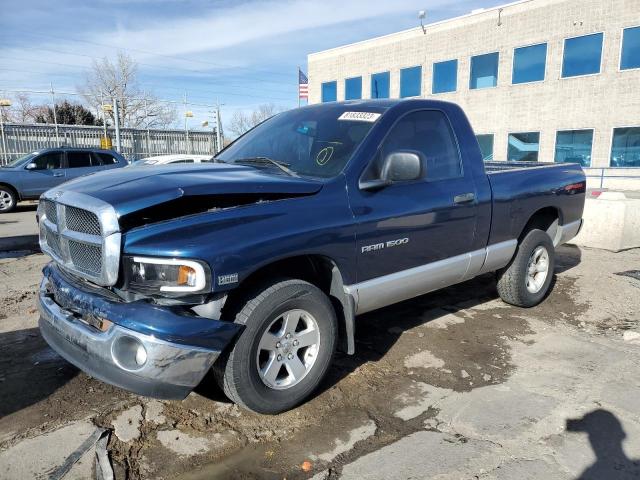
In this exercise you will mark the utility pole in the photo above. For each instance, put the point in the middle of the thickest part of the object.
(5, 156)
(146, 115)
(186, 129)
(104, 114)
(218, 129)
(116, 114)
(55, 117)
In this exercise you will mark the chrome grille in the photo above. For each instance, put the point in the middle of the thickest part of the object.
(54, 242)
(50, 211)
(86, 258)
(79, 220)
(81, 234)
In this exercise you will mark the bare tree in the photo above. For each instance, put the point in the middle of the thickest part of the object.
(108, 80)
(22, 110)
(242, 122)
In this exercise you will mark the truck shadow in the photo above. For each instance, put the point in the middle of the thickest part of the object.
(568, 257)
(29, 370)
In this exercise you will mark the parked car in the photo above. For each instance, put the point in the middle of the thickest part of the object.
(170, 159)
(27, 177)
(257, 265)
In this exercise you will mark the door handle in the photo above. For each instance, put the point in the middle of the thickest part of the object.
(464, 198)
(58, 174)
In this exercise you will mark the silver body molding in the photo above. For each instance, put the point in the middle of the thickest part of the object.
(109, 241)
(396, 287)
(566, 232)
(170, 371)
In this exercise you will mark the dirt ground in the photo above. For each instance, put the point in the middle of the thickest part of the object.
(419, 366)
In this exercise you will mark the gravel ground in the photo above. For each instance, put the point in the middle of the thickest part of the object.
(455, 384)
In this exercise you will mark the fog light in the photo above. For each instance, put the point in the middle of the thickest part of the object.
(141, 355)
(128, 353)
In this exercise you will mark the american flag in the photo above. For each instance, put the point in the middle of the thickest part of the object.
(303, 85)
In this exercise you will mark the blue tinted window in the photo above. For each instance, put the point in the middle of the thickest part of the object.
(329, 92)
(484, 71)
(380, 85)
(625, 149)
(523, 147)
(582, 55)
(410, 82)
(574, 146)
(529, 63)
(353, 88)
(486, 146)
(630, 48)
(445, 76)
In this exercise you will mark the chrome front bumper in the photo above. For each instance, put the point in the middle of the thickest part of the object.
(170, 370)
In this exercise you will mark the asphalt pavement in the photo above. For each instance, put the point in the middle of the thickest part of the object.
(19, 229)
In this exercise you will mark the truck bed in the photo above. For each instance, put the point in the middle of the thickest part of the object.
(520, 189)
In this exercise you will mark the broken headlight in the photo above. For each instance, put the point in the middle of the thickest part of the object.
(172, 276)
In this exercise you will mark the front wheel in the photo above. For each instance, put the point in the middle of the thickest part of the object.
(8, 200)
(285, 350)
(526, 280)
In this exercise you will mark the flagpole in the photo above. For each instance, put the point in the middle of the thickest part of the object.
(298, 86)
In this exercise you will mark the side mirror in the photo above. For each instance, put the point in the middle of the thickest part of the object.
(31, 166)
(399, 166)
(402, 167)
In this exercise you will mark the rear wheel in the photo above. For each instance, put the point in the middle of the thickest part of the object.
(526, 280)
(8, 199)
(285, 350)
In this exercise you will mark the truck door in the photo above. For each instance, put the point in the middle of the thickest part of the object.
(414, 224)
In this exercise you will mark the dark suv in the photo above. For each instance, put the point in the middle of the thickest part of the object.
(31, 175)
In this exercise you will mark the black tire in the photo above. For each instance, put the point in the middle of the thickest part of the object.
(8, 199)
(238, 371)
(512, 280)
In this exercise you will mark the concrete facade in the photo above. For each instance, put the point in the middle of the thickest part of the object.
(599, 101)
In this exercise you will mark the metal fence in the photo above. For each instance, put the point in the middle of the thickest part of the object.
(19, 139)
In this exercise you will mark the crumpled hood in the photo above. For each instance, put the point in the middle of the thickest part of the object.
(134, 189)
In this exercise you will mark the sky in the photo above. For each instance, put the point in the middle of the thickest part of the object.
(238, 53)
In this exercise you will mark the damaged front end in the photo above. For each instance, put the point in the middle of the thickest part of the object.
(145, 348)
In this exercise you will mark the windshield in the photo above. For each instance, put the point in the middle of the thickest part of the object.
(19, 161)
(315, 141)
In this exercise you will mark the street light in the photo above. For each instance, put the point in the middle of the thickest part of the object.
(422, 14)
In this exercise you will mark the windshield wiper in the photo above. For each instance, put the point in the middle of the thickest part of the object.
(268, 161)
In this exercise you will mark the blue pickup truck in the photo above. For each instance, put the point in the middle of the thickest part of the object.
(27, 177)
(256, 265)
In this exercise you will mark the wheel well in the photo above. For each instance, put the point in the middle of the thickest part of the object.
(546, 219)
(316, 269)
(12, 188)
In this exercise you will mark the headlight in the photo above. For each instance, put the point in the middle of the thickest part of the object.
(167, 275)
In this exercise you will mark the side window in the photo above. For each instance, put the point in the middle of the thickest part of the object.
(429, 133)
(78, 159)
(48, 161)
(105, 159)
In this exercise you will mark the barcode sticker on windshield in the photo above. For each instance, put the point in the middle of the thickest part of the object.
(360, 116)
